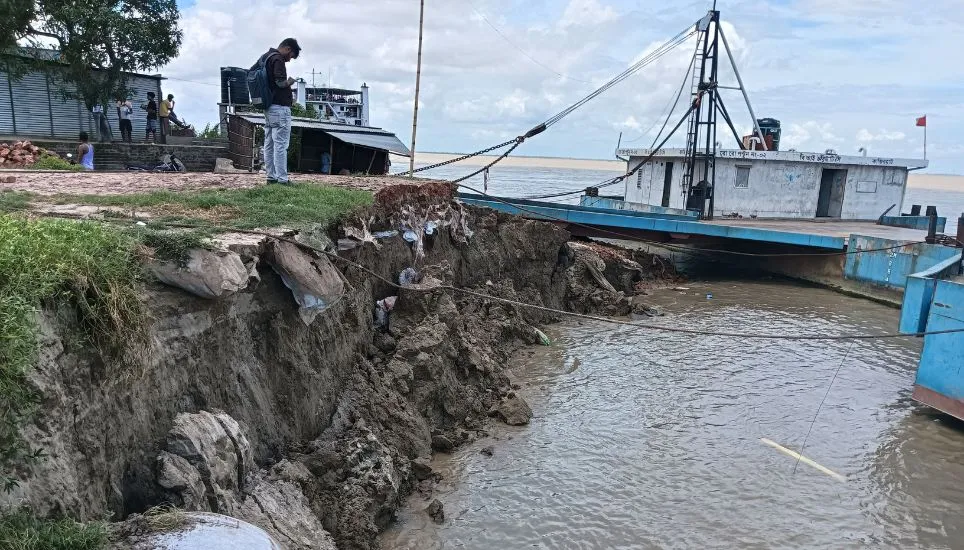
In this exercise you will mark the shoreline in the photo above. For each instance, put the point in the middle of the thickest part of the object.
(938, 182)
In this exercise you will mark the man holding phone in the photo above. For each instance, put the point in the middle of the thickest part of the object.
(277, 128)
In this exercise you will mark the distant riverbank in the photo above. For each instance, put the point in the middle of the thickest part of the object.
(942, 182)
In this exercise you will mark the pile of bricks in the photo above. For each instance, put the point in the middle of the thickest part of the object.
(20, 154)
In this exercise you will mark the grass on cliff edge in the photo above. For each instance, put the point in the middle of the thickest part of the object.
(20, 530)
(267, 206)
(87, 265)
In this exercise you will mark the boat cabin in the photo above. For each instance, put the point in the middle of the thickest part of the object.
(774, 184)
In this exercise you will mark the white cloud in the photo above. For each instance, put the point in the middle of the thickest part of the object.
(797, 58)
(629, 124)
(512, 105)
(864, 135)
(586, 13)
(810, 136)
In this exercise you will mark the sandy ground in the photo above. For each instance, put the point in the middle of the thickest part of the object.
(122, 183)
(939, 182)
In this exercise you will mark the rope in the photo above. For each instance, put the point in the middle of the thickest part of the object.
(491, 164)
(822, 401)
(653, 148)
(653, 152)
(633, 69)
(459, 159)
(634, 325)
(650, 58)
(638, 326)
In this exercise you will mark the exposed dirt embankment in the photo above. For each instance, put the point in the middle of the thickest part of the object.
(311, 421)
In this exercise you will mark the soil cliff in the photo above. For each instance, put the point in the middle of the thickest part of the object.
(303, 393)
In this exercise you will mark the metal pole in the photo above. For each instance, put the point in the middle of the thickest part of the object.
(729, 122)
(736, 71)
(709, 162)
(931, 237)
(418, 82)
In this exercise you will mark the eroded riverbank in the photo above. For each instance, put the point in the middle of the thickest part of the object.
(644, 440)
(247, 399)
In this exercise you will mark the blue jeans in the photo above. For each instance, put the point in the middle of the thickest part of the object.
(277, 135)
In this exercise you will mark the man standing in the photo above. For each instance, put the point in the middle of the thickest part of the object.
(124, 113)
(277, 128)
(164, 113)
(85, 152)
(151, 108)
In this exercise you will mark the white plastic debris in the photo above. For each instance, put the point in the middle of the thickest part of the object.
(215, 532)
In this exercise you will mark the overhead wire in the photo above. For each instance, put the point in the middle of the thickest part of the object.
(645, 61)
(671, 101)
(521, 50)
(633, 69)
(191, 81)
(653, 147)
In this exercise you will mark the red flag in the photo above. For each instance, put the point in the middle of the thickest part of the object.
(922, 121)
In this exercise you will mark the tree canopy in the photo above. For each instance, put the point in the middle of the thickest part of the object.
(99, 41)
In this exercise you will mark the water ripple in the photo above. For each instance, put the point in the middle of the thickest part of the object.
(646, 440)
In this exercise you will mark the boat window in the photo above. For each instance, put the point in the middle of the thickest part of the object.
(743, 177)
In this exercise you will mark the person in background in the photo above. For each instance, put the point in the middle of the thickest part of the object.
(326, 163)
(151, 108)
(277, 127)
(85, 152)
(164, 113)
(173, 116)
(100, 122)
(124, 112)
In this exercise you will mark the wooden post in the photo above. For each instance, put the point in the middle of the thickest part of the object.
(418, 82)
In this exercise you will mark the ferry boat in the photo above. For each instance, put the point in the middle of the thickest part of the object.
(756, 179)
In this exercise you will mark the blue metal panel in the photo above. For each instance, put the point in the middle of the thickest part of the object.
(918, 295)
(643, 221)
(469, 197)
(942, 361)
(892, 267)
(913, 222)
(610, 203)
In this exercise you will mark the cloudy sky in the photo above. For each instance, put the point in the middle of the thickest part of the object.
(839, 74)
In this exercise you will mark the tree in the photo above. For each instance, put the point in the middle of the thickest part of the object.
(99, 41)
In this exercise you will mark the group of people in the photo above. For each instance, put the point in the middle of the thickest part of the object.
(277, 129)
(159, 118)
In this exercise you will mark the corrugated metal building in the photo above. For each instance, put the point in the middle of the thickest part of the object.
(40, 105)
(358, 149)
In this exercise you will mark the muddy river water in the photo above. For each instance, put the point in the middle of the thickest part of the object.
(653, 440)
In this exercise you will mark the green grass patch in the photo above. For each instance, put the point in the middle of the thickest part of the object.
(14, 200)
(295, 206)
(91, 266)
(173, 245)
(51, 162)
(20, 530)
